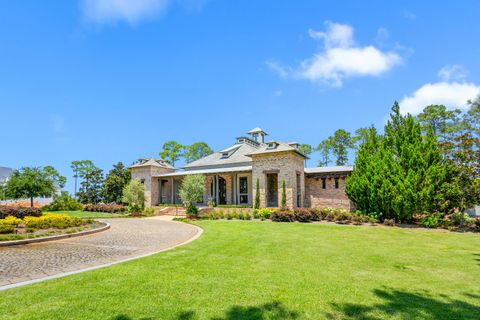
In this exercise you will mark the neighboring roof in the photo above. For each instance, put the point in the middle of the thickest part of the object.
(144, 162)
(5, 173)
(217, 159)
(280, 147)
(257, 130)
(205, 171)
(332, 169)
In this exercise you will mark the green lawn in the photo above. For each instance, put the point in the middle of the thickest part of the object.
(265, 270)
(87, 215)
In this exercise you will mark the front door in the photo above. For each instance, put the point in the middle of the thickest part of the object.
(272, 190)
(222, 191)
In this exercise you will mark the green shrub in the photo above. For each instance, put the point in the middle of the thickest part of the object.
(431, 221)
(283, 215)
(343, 215)
(316, 214)
(19, 212)
(9, 224)
(262, 214)
(303, 215)
(57, 221)
(389, 222)
(148, 212)
(109, 208)
(63, 202)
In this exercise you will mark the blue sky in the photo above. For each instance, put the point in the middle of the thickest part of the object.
(112, 80)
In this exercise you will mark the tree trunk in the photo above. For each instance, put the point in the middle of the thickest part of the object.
(31, 202)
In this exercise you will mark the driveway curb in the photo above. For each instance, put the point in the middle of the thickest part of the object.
(51, 238)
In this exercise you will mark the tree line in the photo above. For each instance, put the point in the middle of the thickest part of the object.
(172, 151)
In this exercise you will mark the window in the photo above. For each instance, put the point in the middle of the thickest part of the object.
(336, 183)
(243, 190)
(324, 183)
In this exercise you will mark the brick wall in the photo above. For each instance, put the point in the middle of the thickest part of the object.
(152, 189)
(317, 197)
(287, 164)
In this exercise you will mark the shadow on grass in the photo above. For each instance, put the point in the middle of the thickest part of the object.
(271, 311)
(407, 305)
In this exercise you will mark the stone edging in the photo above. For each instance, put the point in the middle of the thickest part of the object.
(56, 237)
(60, 275)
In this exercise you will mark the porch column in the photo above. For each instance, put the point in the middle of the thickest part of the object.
(173, 190)
(216, 190)
(234, 187)
(160, 190)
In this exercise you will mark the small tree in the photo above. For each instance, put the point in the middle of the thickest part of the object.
(115, 182)
(257, 195)
(284, 194)
(191, 191)
(134, 195)
(31, 182)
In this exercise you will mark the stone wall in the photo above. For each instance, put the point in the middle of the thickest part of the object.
(152, 189)
(286, 164)
(317, 197)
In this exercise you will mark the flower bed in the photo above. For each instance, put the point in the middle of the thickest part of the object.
(19, 212)
(13, 228)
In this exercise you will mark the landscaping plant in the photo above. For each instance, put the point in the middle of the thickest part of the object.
(134, 195)
(191, 191)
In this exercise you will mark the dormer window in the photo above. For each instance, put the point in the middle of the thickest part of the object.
(228, 152)
(272, 145)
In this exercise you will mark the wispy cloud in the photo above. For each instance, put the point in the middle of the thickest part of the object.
(453, 72)
(409, 15)
(340, 59)
(131, 11)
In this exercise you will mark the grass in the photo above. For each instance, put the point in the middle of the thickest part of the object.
(88, 215)
(264, 270)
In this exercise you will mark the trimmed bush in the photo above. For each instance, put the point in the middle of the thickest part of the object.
(283, 216)
(109, 208)
(19, 212)
(64, 202)
(57, 221)
(316, 214)
(303, 215)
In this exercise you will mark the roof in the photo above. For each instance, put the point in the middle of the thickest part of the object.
(281, 146)
(257, 130)
(205, 171)
(5, 173)
(326, 170)
(217, 159)
(144, 162)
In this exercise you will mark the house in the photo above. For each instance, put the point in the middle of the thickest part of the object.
(231, 176)
(4, 174)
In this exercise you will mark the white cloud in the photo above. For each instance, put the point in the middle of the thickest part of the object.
(340, 59)
(450, 94)
(453, 73)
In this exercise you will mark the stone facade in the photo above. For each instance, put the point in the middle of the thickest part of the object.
(152, 188)
(287, 165)
(318, 197)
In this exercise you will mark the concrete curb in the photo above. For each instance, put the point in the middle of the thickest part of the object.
(60, 275)
(51, 238)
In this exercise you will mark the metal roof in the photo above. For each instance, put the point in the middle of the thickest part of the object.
(280, 146)
(257, 130)
(204, 171)
(5, 173)
(332, 169)
(217, 159)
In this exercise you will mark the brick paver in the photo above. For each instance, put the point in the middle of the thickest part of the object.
(125, 239)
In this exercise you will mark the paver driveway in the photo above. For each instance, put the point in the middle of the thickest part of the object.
(126, 238)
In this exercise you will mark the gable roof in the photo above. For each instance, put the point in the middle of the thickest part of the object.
(257, 130)
(144, 162)
(236, 157)
(279, 147)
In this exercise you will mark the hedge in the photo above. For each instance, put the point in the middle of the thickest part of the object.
(19, 212)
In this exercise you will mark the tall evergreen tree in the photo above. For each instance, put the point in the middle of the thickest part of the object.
(341, 142)
(171, 152)
(325, 150)
(402, 172)
(196, 151)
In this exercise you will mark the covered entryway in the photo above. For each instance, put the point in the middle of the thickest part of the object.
(272, 190)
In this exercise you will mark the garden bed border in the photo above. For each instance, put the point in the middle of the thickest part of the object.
(56, 237)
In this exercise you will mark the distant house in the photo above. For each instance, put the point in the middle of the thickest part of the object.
(231, 175)
(4, 174)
